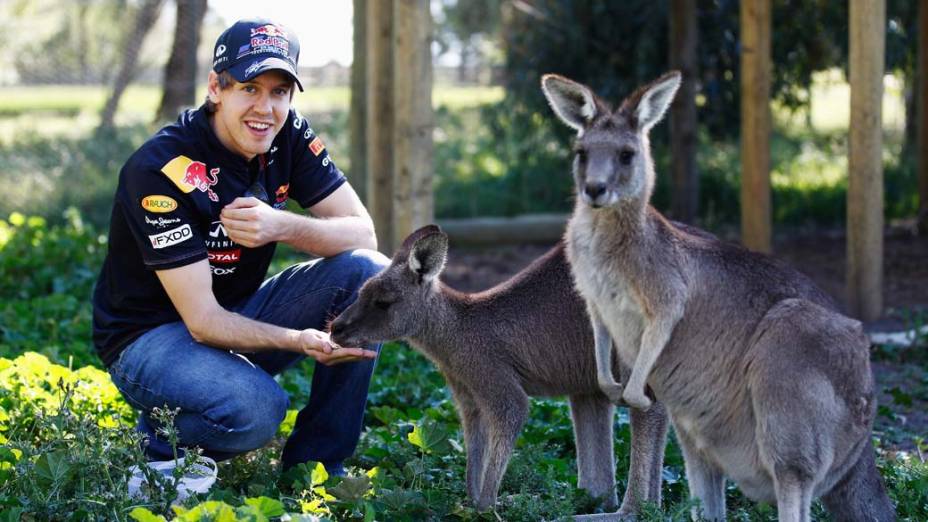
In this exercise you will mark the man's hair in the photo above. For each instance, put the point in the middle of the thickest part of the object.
(226, 80)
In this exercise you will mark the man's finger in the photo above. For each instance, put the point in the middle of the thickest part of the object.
(243, 203)
(241, 214)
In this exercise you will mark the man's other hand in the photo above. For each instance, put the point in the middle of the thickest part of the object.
(250, 222)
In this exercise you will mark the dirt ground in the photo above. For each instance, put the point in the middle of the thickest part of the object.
(901, 376)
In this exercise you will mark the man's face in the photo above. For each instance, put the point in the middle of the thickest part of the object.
(249, 115)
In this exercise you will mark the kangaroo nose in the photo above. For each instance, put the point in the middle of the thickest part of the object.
(337, 327)
(594, 190)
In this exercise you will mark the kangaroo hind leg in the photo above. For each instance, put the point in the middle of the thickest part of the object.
(592, 418)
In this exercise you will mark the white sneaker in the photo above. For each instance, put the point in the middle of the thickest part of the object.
(197, 480)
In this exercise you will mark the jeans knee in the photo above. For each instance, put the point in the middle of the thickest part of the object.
(250, 425)
(364, 263)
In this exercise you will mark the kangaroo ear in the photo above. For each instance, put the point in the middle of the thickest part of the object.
(573, 102)
(655, 99)
(427, 256)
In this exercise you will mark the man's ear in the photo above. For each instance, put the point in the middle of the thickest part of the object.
(212, 87)
(573, 102)
(427, 256)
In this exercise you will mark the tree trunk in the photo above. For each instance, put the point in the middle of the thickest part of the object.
(357, 116)
(145, 19)
(865, 162)
(684, 38)
(921, 83)
(180, 73)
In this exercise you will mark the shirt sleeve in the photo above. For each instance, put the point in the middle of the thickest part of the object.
(315, 175)
(162, 218)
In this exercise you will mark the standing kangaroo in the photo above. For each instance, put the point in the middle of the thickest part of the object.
(764, 381)
(527, 336)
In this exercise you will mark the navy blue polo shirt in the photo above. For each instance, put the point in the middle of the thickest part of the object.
(166, 215)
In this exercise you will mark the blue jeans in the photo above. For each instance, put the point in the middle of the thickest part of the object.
(230, 403)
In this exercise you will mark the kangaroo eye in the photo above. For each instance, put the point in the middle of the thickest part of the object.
(625, 157)
(381, 304)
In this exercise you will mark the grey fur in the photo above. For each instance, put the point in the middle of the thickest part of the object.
(526, 337)
(765, 382)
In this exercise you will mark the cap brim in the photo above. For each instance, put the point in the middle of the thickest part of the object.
(243, 72)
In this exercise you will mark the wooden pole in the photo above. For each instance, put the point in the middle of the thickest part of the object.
(921, 85)
(755, 125)
(865, 161)
(357, 117)
(412, 158)
(380, 118)
(683, 43)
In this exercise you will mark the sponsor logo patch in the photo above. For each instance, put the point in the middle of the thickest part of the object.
(158, 204)
(225, 256)
(221, 271)
(171, 237)
(268, 30)
(161, 222)
(190, 175)
(218, 238)
(316, 146)
(281, 196)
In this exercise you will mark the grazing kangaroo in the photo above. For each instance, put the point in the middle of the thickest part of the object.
(764, 381)
(528, 336)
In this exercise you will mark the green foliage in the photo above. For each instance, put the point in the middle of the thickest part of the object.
(46, 279)
(67, 442)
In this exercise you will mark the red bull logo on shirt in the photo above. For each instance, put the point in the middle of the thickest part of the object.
(190, 175)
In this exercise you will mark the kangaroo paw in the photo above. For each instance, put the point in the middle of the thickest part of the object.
(613, 391)
(636, 399)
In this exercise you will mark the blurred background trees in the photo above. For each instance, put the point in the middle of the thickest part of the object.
(498, 150)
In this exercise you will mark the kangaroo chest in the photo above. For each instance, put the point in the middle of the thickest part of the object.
(603, 283)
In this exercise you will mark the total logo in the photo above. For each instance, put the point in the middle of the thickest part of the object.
(225, 257)
(190, 175)
(171, 237)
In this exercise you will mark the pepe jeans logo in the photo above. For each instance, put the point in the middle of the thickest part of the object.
(220, 50)
(161, 222)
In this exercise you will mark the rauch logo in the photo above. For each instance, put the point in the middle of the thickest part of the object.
(159, 204)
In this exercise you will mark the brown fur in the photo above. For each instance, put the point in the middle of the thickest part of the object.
(526, 337)
(765, 382)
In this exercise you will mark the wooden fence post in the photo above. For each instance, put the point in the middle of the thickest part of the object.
(412, 156)
(380, 118)
(865, 161)
(755, 125)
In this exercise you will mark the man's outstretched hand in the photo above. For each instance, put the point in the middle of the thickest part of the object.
(320, 347)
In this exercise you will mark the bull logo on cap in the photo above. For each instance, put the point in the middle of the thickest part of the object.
(269, 30)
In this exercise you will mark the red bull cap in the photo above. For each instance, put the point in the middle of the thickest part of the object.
(255, 46)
